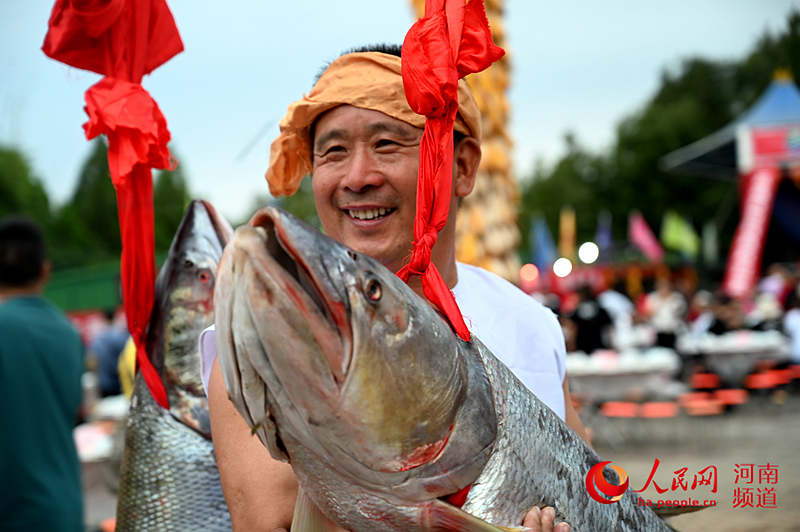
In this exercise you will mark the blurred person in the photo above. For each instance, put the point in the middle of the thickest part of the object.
(776, 282)
(41, 362)
(791, 324)
(700, 315)
(665, 309)
(592, 322)
(104, 352)
(618, 305)
(728, 314)
(766, 314)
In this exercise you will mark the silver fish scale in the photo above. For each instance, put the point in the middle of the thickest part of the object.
(537, 461)
(169, 479)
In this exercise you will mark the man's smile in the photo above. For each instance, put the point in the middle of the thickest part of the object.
(369, 213)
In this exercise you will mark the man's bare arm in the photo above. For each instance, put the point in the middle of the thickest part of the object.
(259, 490)
(571, 416)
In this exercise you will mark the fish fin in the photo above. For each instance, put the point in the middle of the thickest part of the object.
(672, 511)
(443, 517)
(307, 517)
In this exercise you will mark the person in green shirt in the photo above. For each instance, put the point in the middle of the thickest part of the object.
(41, 362)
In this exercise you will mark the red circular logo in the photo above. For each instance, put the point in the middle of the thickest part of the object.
(610, 493)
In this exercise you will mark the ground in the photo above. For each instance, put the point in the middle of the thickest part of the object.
(761, 432)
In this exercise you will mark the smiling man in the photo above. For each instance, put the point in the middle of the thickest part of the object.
(357, 136)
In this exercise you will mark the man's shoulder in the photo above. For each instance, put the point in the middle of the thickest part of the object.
(34, 313)
(477, 283)
(18, 309)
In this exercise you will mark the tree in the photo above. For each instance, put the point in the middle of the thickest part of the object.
(301, 204)
(94, 205)
(577, 180)
(20, 190)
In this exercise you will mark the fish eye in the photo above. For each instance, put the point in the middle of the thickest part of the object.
(203, 276)
(352, 254)
(372, 288)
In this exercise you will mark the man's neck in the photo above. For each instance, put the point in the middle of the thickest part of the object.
(9, 292)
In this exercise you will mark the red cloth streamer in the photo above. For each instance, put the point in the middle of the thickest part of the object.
(124, 40)
(452, 40)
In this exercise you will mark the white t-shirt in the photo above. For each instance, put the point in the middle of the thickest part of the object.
(524, 334)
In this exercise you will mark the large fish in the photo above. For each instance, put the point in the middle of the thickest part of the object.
(381, 410)
(169, 478)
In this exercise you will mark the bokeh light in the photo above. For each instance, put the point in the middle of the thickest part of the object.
(588, 252)
(562, 267)
(529, 273)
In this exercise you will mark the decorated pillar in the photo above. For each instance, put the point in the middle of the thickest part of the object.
(487, 233)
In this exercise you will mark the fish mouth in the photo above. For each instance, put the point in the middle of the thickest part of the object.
(308, 283)
(222, 229)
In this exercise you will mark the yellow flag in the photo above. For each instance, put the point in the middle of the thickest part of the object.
(566, 239)
(679, 235)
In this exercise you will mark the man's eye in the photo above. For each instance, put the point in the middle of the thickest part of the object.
(386, 143)
(333, 151)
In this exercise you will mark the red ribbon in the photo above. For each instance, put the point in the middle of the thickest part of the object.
(124, 40)
(137, 141)
(452, 40)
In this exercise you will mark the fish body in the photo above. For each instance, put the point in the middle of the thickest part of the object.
(169, 478)
(346, 373)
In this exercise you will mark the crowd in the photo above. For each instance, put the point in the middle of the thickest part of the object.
(611, 319)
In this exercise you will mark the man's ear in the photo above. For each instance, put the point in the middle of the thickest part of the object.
(466, 159)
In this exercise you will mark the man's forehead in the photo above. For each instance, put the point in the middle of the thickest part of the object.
(345, 120)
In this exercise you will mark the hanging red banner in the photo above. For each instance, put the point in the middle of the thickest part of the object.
(123, 40)
(744, 260)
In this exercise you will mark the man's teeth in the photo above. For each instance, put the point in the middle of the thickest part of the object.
(368, 214)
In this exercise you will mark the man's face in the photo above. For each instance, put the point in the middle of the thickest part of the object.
(365, 167)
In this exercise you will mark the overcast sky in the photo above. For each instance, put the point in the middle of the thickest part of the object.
(578, 66)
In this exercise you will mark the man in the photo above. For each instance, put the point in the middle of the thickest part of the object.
(358, 137)
(104, 351)
(41, 362)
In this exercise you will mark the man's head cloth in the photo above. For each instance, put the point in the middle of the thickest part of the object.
(370, 80)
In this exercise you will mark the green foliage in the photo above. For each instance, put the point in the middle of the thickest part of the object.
(20, 191)
(92, 210)
(301, 204)
(697, 99)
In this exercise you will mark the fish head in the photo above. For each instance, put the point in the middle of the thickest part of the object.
(183, 307)
(357, 366)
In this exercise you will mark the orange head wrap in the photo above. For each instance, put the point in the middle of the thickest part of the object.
(370, 80)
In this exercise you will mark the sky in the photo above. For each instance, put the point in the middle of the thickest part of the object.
(578, 66)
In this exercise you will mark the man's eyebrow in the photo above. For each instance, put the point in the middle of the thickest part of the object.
(381, 127)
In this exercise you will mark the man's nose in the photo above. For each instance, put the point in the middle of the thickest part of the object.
(363, 172)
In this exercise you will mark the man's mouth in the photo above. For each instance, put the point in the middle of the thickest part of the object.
(369, 214)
